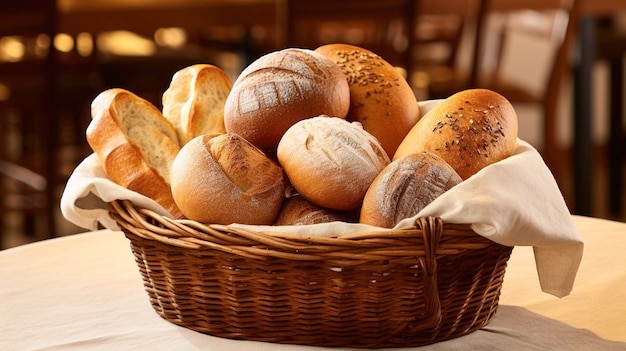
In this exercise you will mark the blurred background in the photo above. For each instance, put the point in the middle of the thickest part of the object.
(560, 62)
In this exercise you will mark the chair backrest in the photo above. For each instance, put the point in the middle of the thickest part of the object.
(380, 26)
(443, 45)
(524, 52)
(525, 43)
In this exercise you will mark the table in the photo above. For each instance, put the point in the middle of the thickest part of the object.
(85, 292)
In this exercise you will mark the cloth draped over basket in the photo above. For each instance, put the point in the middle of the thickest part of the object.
(515, 202)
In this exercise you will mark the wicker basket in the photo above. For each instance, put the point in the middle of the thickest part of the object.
(399, 288)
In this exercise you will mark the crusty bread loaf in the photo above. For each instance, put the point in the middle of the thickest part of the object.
(297, 210)
(380, 98)
(280, 89)
(405, 187)
(194, 101)
(469, 130)
(224, 179)
(135, 144)
(330, 161)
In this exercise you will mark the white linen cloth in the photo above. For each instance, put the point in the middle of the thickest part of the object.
(514, 202)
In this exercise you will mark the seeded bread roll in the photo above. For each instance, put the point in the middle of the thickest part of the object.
(194, 101)
(330, 161)
(469, 130)
(135, 144)
(297, 210)
(405, 187)
(280, 89)
(380, 98)
(224, 179)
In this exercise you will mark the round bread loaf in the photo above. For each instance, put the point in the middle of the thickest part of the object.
(224, 179)
(469, 130)
(297, 210)
(330, 161)
(194, 101)
(281, 88)
(380, 98)
(405, 187)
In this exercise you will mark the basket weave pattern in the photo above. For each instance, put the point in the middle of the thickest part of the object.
(396, 288)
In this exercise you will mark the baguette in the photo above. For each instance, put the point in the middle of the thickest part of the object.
(194, 101)
(135, 144)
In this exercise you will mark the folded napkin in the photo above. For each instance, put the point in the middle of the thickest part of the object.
(514, 202)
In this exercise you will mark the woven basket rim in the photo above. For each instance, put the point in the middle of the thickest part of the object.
(194, 235)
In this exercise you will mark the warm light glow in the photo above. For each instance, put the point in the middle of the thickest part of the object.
(63, 42)
(12, 49)
(125, 43)
(171, 37)
(84, 44)
(42, 45)
(5, 92)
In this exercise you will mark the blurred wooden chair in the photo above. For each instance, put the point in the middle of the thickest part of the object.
(523, 51)
(443, 47)
(40, 96)
(380, 26)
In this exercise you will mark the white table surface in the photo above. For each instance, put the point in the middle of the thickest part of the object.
(84, 292)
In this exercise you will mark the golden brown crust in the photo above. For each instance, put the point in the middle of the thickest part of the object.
(123, 157)
(224, 179)
(469, 130)
(194, 101)
(405, 187)
(280, 89)
(330, 161)
(297, 210)
(380, 98)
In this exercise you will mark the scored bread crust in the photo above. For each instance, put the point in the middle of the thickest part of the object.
(135, 144)
(380, 98)
(297, 210)
(281, 88)
(223, 179)
(194, 101)
(405, 187)
(470, 130)
(330, 161)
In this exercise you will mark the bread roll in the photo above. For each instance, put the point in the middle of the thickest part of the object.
(469, 130)
(194, 101)
(297, 210)
(280, 89)
(380, 98)
(330, 161)
(224, 179)
(405, 187)
(135, 144)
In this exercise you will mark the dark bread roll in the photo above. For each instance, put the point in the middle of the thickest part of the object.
(280, 89)
(405, 187)
(380, 98)
(224, 179)
(330, 161)
(297, 210)
(469, 130)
